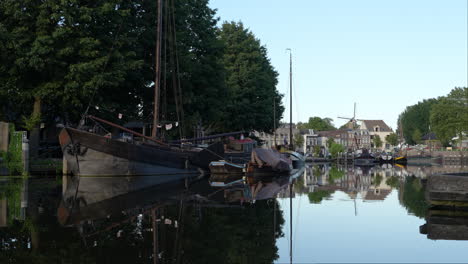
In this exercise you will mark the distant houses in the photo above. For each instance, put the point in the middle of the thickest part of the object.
(351, 139)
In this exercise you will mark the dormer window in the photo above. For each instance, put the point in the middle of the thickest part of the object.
(376, 129)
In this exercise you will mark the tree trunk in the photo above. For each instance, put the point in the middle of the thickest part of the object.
(35, 133)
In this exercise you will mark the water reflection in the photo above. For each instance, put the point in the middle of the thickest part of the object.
(447, 197)
(222, 219)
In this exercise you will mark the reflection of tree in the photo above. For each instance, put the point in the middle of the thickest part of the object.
(39, 238)
(393, 182)
(412, 197)
(244, 235)
(11, 191)
(335, 174)
(316, 197)
(377, 180)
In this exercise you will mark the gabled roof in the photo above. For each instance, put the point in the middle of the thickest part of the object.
(329, 133)
(370, 124)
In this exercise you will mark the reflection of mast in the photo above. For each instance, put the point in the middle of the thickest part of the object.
(290, 224)
(155, 237)
(355, 207)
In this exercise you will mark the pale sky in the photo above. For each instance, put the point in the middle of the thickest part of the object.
(383, 55)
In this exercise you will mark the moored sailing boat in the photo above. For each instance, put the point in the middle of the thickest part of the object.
(87, 153)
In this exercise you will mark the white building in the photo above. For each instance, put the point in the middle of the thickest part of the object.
(377, 127)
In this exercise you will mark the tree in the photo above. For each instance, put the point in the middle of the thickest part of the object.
(298, 141)
(416, 137)
(449, 117)
(318, 124)
(377, 141)
(330, 142)
(335, 149)
(416, 117)
(251, 81)
(392, 139)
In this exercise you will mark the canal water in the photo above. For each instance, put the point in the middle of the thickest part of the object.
(321, 214)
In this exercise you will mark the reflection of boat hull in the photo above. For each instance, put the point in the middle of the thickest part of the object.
(401, 160)
(225, 167)
(90, 154)
(89, 198)
(364, 162)
(386, 159)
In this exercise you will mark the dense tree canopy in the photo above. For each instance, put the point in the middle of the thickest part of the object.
(61, 56)
(416, 117)
(449, 117)
(57, 53)
(251, 81)
(318, 124)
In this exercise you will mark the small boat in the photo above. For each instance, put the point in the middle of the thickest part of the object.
(386, 158)
(400, 160)
(269, 161)
(365, 158)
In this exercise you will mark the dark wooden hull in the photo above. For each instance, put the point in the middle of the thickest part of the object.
(89, 154)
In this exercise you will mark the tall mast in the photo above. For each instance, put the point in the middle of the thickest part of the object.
(157, 79)
(291, 147)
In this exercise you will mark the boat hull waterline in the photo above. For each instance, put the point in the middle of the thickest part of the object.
(88, 154)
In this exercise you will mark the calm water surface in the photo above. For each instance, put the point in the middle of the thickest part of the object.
(339, 215)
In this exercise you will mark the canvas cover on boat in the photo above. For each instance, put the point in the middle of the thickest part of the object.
(270, 157)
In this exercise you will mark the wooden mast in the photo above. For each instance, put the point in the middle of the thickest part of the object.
(291, 147)
(157, 79)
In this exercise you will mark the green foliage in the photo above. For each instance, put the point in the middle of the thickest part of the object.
(449, 117)
(377, 141)
(335, 174)
(11, 191)
(335, 149)
(298, 140)
(392, 139)
(317, 197)
(31, 122)
(377, 180)
(251, 81)
(247, 235)
(318, 124)
(62, 53)
(416, 117)
(330, 142)
(413, 197)
(316, 150)
(393, 182)
(416, 137)
(13, 158)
